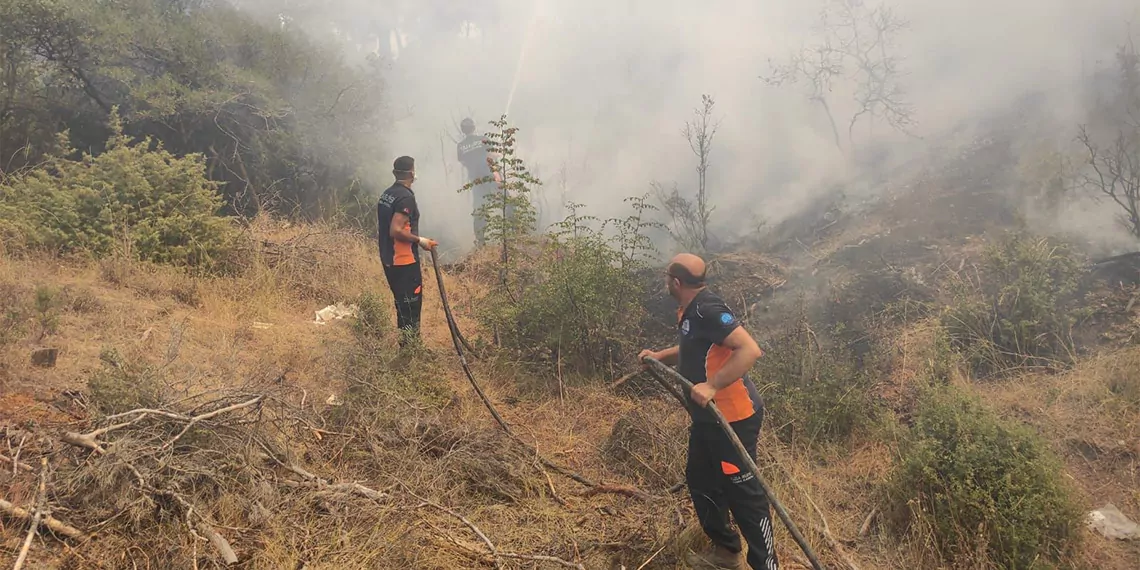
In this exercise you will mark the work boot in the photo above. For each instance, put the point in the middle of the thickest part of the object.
(717, 557)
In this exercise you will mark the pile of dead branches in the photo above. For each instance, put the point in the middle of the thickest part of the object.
(233, 477)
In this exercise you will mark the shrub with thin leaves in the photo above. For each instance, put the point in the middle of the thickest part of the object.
(569, 298)
(579, 306)
(987, 490)
(121, 385)
(373, 316)
(134, 200)
(815, 393)
(1018, 310)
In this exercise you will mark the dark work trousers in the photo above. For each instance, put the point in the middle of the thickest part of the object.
(406, 283)
(719, 482)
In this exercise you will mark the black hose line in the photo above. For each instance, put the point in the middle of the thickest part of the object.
(456, 340)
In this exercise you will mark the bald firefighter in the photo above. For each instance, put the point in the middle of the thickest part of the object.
(714, 352)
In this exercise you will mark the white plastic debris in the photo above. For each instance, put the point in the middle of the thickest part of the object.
(261, 326)
(1110, 522)
(334, 313)
(333, 400)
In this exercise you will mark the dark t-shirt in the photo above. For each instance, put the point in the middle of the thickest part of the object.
(397, 198)
(473, 155)
(703, 326)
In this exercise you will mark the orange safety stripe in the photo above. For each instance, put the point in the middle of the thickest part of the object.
(404, 255)
(733, 401)
(728, 468)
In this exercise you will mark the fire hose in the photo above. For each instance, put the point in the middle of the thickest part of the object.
(459, 342)
(660, 372)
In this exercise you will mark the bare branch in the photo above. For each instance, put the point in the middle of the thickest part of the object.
(208, 415)
(16, 464)
(41, 507)
(54, 525)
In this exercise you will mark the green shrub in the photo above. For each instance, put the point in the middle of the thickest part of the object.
(373, 316)
(569, 299)
(132, 199)
(121, 386)
(578, 306)
(818, 393)
(379, 378)
(47, 314)
(1020, 309)
(982, 486)
(13, 313)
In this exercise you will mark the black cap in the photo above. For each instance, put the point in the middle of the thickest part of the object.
(468, 125)
(404, 164)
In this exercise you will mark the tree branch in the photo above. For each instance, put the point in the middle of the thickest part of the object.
(41, 507)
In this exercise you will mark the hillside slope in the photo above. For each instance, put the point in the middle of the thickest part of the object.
(339, 403)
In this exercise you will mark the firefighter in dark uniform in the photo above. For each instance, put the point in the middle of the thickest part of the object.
(472, 154)
(714, 353)
(399, 226)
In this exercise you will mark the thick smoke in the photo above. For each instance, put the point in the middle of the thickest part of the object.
(604, 87)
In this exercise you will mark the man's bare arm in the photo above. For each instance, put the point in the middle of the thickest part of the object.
(669, 355)
(399, 229)
(745, 351)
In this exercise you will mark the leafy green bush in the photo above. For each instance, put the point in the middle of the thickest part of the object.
(1020, 310)
(982, 486)
(818, 393)
(132, 200)
(203, 77)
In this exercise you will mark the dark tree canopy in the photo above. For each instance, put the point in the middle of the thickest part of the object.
(285, 123)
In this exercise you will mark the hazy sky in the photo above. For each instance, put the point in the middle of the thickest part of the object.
(605, 86)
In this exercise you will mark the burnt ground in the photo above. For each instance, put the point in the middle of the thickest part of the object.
(849, 257)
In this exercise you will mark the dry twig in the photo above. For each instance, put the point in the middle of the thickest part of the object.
(495, 552)
(217, 540)
(16, 464)
(866, 526)
(53, 525)
(41, 507)
(208, 415)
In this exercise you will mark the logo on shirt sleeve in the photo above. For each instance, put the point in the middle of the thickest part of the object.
(685, 327)
(727, 319)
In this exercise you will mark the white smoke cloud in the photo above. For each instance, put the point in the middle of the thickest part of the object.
(605, 87)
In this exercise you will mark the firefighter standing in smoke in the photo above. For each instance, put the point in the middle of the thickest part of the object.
(399, 226)
(472, 154)
(714, 353)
